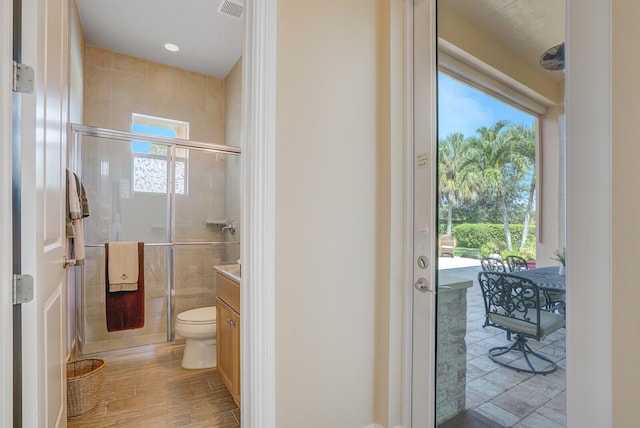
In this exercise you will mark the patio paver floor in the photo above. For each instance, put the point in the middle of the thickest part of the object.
(512, 399)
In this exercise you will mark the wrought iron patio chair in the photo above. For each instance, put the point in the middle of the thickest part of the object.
(489, 264)
(516, 263)
(513, 304)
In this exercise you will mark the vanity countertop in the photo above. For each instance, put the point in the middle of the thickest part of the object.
(231, 271)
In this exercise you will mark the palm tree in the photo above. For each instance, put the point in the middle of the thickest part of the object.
(454, 186)
(492, 157)
(524, 138)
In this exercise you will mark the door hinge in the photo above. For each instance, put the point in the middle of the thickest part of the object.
(22, 78)
(22, 288)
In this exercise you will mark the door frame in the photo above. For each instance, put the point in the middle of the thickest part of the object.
(6, 254)
(257, 300)
(589, 127)
(422, 232)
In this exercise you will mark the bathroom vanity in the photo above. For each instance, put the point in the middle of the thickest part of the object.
(228, 327)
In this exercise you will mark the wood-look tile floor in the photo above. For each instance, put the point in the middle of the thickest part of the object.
(147, 387)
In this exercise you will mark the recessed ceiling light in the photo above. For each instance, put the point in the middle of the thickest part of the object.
(171, 47)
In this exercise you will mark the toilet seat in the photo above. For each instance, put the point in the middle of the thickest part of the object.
(206, 315)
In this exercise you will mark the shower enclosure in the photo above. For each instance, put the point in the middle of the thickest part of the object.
(178, 197)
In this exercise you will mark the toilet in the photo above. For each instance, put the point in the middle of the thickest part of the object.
(198, 327)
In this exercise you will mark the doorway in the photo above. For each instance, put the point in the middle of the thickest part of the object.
(492, 391)
(487, 199)
(474, 68)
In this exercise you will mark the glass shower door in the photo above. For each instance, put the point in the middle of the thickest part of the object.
(207, 204)
(129, 200)
(181, 199)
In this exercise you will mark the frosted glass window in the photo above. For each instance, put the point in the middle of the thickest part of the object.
(149, 175)
(150, 161)
(179, 181)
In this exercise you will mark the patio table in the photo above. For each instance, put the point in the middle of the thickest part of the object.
(546, 278)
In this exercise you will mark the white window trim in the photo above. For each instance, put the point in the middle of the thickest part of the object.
(181, 127)
(465, 67)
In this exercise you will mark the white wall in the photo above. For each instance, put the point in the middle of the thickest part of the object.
(589, 222)
(334, 188)
(625, 211)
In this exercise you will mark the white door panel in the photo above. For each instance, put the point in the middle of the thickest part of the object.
(43, 212)
(53, 349)
(424, 215)
(6, 268)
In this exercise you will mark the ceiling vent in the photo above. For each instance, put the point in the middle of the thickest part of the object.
(232, 8)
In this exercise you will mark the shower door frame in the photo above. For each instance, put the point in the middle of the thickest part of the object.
(75, 164)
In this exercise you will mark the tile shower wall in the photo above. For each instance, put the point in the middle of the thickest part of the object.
(233, 121)
(117, 85)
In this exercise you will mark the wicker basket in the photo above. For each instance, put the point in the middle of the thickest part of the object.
(84, 382)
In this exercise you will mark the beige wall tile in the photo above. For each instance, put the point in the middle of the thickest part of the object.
(121, 115)
(97, 112)
(119, 85)
(162, 84)
(233, 84)
(97, 81)
(128, 90)
(130, 64)
(98, 56)
(191, 93)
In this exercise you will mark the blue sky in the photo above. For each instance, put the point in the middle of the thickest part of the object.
(139, 146)
(462, 108)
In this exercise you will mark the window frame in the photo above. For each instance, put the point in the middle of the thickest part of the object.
(181, 130)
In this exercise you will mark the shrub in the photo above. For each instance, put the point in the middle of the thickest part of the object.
(492, 248)
(492, 235)
(529, 250)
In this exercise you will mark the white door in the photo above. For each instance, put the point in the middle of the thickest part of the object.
(6, 268)
(44, 118)
(424, 214)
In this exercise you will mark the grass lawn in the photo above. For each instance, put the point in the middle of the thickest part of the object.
(473, 253)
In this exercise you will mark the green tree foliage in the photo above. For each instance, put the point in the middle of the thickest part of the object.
(483, 178)
(454, 188)
(525, 139)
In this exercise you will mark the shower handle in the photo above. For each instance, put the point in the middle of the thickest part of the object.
(231, 227)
